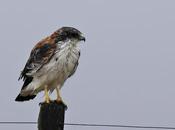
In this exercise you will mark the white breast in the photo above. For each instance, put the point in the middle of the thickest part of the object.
(60, 66)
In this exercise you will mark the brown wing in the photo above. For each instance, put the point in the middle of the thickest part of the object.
(40, 55)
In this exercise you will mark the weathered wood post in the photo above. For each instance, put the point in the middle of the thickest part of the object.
(51, 116)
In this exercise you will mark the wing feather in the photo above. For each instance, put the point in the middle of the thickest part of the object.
(39, 56)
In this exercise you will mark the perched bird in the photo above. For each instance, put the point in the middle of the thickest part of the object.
(52, 61)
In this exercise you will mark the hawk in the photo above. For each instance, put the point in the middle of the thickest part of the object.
(52, 61)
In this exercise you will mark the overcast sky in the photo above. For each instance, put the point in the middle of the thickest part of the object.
(126, 73)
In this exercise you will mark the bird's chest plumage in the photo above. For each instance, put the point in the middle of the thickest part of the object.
(61, 66)
(65, 61)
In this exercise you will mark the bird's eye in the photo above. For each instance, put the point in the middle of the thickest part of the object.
(74, 35)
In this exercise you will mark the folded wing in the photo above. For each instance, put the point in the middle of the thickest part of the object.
(40, 55)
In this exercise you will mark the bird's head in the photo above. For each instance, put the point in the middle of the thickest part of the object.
(70, 34)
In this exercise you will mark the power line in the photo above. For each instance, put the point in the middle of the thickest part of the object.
(17, 122)
(100, 125)
(123, 126)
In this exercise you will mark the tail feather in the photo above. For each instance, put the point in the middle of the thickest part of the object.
(21, 98)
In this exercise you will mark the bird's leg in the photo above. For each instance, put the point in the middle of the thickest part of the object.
(59, 99)
(46, 95)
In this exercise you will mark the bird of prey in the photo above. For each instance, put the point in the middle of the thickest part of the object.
(52, 61)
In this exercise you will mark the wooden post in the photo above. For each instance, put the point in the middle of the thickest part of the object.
(51, 116)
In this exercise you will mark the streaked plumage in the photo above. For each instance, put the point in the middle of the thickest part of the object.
(51, 62)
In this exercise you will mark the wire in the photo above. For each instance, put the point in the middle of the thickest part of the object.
(15, 122)
(124, 126)
(100, 125)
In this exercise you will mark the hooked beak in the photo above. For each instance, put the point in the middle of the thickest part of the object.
(82, 38)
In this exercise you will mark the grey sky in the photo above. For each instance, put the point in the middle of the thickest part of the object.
(126, 72)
